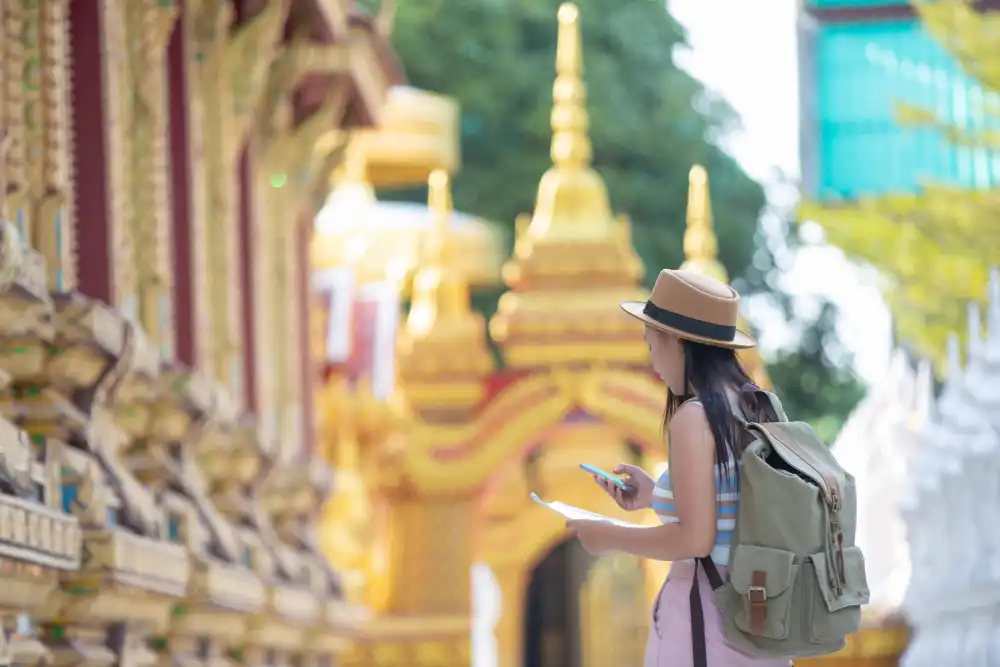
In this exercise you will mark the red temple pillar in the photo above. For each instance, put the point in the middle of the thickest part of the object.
(91, 204)
(181, 129)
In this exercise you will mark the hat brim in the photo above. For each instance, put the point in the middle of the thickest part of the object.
(741, 341)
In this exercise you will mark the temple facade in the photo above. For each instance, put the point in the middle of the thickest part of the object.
(159, 488)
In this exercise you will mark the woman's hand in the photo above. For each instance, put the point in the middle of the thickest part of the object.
(640, 494)
(595, 536)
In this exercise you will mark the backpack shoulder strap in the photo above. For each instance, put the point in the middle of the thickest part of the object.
(767, 397)
(699, 648)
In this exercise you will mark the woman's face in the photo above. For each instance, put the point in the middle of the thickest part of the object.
(667, 355)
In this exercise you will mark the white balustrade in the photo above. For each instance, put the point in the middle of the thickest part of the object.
(953, 600)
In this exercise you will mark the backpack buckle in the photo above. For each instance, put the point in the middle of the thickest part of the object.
(757, 603)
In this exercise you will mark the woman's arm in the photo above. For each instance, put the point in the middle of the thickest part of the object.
(692, 477)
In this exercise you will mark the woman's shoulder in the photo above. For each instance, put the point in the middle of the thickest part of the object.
(689, 423)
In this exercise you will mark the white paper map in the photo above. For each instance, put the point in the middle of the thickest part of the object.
(571, 512)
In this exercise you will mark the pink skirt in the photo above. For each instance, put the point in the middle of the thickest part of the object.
(669, 643)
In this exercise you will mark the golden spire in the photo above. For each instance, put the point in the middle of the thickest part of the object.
(574, 261)
(701, 248)
(443, 354)
(572, 201)
(439, 291)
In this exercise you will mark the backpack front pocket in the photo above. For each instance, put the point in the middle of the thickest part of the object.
(762, 579)
(832, 614)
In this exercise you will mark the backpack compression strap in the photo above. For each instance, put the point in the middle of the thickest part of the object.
(699, 651)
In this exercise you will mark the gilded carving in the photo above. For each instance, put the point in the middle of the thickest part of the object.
(288, 171)
(147, 26)
(230, 72)
(12, 61)
(40, 153)
(219, 350)
(119, 174)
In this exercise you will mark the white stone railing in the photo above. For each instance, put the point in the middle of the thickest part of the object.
(231, 585)
(151, 560)
(38, 534)
(293, 602)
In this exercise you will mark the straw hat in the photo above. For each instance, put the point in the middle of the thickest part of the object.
(694, 307)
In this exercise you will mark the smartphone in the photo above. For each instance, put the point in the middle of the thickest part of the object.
(617, 481)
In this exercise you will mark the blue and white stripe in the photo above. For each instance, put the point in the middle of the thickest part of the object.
(727, 497)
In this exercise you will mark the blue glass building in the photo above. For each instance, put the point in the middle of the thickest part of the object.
(859, 59)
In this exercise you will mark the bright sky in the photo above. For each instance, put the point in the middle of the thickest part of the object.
(750, 58)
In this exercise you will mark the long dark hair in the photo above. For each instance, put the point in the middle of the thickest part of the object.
(710, 371)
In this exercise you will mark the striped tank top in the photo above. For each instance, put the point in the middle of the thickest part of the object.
(727, 496)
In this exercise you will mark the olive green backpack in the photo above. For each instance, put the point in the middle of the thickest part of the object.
(796, 580)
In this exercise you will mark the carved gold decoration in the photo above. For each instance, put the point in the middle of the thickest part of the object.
(12, 122)
(230, 73)
(39, 157)
(121, 177)
(216, 250)
(147, 26)
(289, 170)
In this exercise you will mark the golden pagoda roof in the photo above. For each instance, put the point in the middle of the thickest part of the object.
(574, 261)
(378, 238)
(416, 135)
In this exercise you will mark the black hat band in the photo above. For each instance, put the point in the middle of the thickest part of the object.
(689, 325)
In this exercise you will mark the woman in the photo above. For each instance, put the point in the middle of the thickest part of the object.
(692, 337)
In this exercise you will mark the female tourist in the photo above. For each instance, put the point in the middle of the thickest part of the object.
(691, 331)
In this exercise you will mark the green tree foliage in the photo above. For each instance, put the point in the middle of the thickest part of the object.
(649, 122)
(934, 247)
